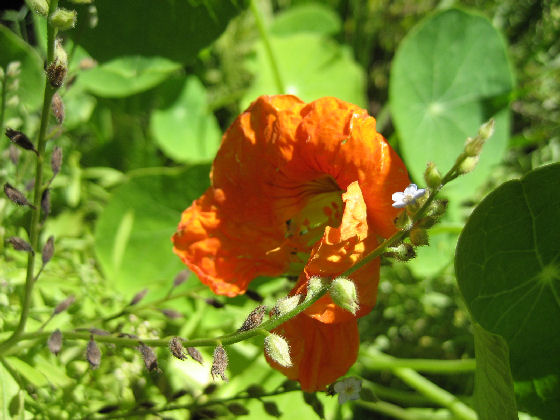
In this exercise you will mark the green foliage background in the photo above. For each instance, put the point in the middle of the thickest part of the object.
(144, 120)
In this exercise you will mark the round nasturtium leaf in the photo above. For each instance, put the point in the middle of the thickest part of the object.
(508, 268)
(450, 74)
(311, 17)
(184, 128)
(311, 66)
(133, 233)
(126, 76)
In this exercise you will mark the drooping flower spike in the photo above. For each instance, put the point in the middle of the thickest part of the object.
(297, 189)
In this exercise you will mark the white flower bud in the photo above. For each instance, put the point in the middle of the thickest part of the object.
(277, 348)
(286, 304)
(343, 293)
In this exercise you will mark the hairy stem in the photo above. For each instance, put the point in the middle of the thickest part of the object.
(34, 227)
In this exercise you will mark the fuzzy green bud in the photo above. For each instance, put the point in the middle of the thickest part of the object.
(314, 284)
(277, 348)
(487, 129)
(286, 304)
(41, 7)
(63, 19)
(402, 252)
(432, 176)
(343, 293)
(419, 237)
(468, 165)
(403, 222)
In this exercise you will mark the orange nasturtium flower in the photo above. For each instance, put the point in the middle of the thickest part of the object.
(297, 188)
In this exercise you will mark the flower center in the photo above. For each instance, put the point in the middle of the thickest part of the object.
(322, 208)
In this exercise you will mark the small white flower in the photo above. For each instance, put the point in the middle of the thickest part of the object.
(409, 196)
(348, 389)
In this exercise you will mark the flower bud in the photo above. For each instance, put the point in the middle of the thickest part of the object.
(403, 222)
(487, 129)
(56, 70)
(57, 107)
(41, 7)
(468, 165)
(20, 139)
(93, 354)
(176, 348)
(63, 19)
(150, 359)
(419, 237)
(286, 304)
(254, 319)
(314, 284)
(277, 348)
(402, 252)
(343, 293)
(473, 147)
(13, 69)
(432, 176)
(220, 363)
(54, 342)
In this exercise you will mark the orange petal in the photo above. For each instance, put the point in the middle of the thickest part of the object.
(338, 250)
(267, 170)
(320, 353)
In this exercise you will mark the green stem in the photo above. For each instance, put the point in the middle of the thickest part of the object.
(4, 82)
(424, 365)
(428, 389)
(280, 87)
(387, 409)
(34, 227)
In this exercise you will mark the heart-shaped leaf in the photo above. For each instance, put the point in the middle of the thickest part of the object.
(450, 74)
(185, 129)
(508, 268)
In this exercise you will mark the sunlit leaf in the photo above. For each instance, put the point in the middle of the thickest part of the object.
(184, 128)
(126, 76)
(133, 233)
(450, 74)
(311, 66)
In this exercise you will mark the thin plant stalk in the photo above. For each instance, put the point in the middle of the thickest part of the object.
(34, 227)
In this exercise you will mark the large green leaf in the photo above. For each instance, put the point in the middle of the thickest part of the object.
(132, 235)
(174, 29)
(450, 74)
(184, 128)
(311, 17)
(311, 66)
(493, 390)
(126, 76)
(508, 268)
(31, 77)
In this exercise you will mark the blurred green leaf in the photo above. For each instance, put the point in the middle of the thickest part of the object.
(126, 76)
(173, 29)
(311, 66)
(31, 76)
(450, 74)
(507, 265)
(8, 388)
(493, 392)
(30, 373)
(133, 233)
(310, 17)
(184, 128)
